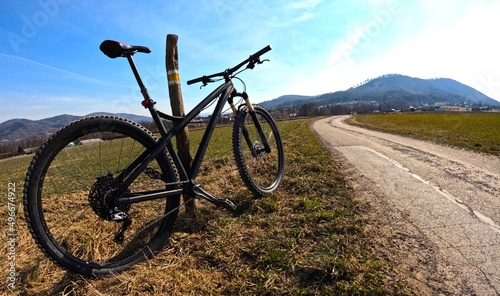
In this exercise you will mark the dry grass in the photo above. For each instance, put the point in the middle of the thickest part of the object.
(307, 239)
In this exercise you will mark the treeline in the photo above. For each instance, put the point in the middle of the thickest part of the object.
(310, 109)
(29, 145)
(20, 147)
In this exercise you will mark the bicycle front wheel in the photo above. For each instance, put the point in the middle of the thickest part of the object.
(69, 192)
(262, 171)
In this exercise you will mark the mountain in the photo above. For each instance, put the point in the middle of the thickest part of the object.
(15, 129)
(413, 91)
(398, 89)
(286, 100)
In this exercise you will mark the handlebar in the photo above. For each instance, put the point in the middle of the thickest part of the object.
(251, 62)
(263, 51)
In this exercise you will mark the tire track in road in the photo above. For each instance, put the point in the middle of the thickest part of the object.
(450, 195)
(444, 193)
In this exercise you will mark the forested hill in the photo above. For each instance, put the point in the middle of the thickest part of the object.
(402, 90)
(16, 129)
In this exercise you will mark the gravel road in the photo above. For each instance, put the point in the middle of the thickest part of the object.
(438, 207)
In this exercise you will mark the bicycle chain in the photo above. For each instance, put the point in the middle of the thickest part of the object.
(154, 174)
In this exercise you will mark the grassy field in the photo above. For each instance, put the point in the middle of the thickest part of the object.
(307, 239)
(475, 131)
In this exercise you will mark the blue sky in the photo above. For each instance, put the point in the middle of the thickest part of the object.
(50, 63)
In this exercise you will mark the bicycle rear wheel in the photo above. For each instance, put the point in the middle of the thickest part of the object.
(68, 195)
(261, 171)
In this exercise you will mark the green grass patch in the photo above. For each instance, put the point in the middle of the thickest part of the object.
(306, 239)
(474, 131)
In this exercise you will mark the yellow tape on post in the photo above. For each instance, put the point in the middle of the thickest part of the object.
(173, 77)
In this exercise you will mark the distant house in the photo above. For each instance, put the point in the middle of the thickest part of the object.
(90, 141)
(455, 109)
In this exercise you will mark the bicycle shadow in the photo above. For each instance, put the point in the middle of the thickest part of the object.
(206, 212)
(67, 283)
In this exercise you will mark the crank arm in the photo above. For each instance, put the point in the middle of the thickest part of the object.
(220, 202)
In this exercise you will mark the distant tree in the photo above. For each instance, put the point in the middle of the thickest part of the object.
(306, 109)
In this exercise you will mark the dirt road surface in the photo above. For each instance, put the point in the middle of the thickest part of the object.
(437, 208)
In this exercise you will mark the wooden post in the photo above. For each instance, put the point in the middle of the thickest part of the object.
(177, 105)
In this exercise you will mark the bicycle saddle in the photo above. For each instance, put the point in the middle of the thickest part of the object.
(114, 49)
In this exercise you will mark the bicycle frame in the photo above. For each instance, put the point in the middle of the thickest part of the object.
(90, 227)
(224, 93)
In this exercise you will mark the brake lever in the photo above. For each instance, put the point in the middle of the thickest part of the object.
(255, 61)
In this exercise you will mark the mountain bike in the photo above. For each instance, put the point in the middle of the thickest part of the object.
(103, 192)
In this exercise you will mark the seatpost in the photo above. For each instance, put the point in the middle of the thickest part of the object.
(148, 102)
(144, 91)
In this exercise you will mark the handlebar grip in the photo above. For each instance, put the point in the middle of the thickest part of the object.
(196, 80)
(263, 51)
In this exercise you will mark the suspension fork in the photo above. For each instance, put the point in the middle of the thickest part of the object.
(258, 126)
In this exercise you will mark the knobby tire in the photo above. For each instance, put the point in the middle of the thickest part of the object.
(261, 171)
